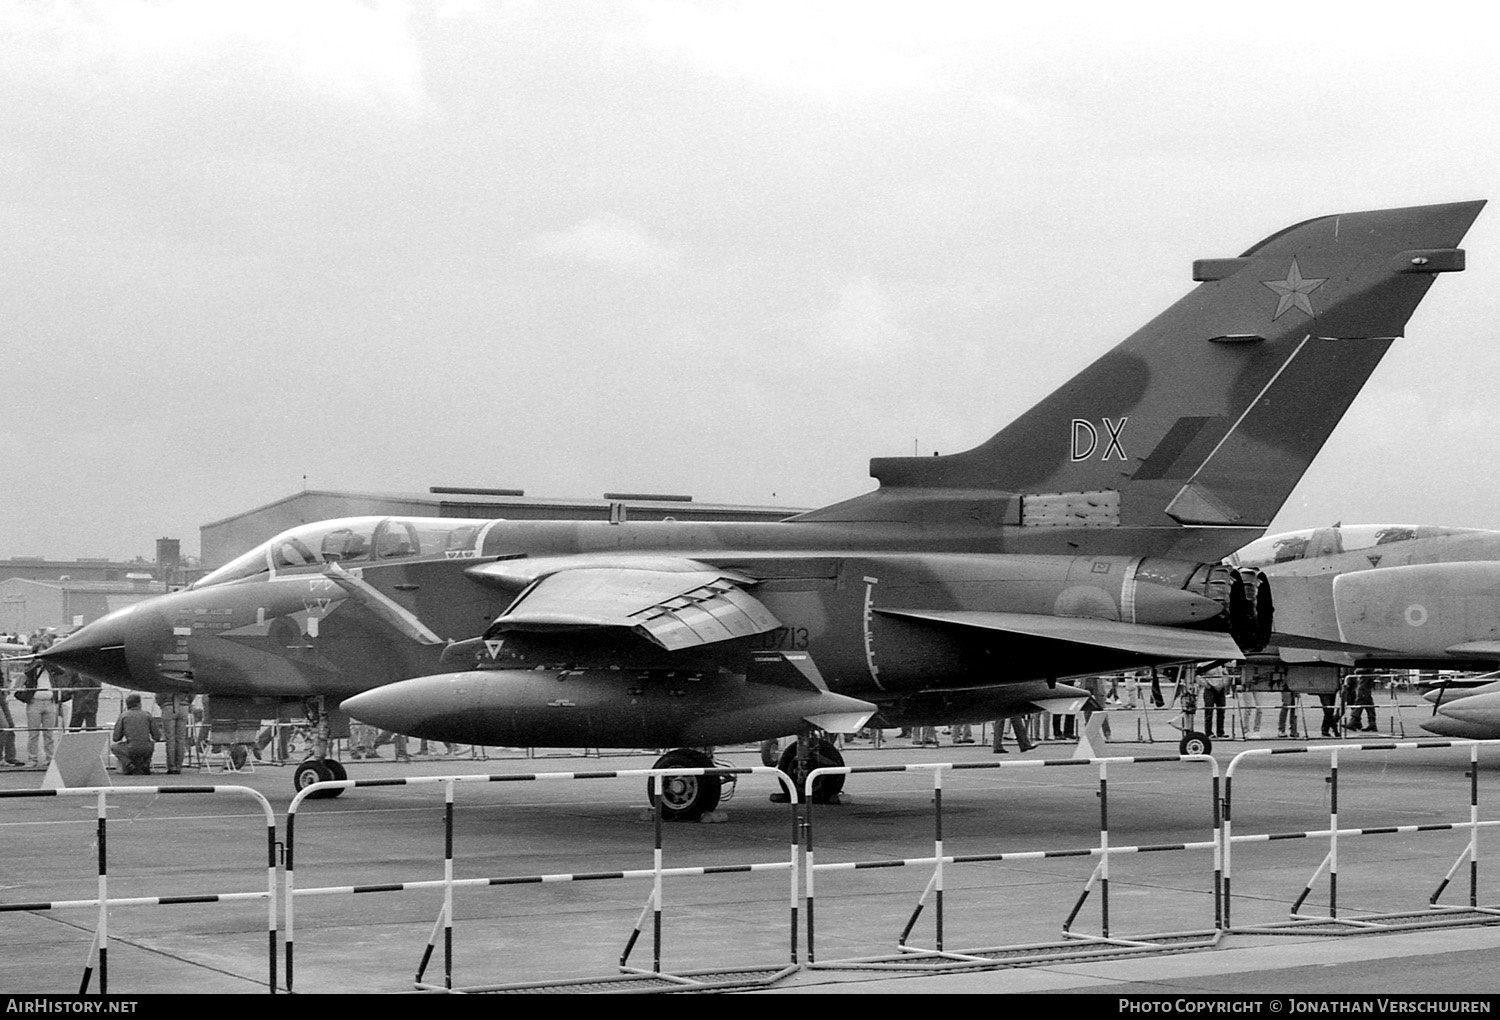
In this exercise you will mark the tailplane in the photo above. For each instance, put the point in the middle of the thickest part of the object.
(1210, 413)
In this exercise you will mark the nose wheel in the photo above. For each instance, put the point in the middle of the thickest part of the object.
(1194, 742)
(318, 770)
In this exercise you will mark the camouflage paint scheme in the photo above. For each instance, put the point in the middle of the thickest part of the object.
(1394, 596)
(1084, 537)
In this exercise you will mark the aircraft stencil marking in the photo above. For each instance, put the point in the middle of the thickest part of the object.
(870, 583)
(493, 647)
(781, 639)
(1086, 439)
(1293, 291)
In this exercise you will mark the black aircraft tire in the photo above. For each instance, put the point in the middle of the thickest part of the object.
(824, 756)
(770, 753)
(686, 798)
(337, 768)
(314, 770)
(1194, 742)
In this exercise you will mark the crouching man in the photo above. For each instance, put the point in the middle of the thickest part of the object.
(135, 737)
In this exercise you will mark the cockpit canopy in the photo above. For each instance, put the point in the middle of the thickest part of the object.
(355, 540)
(1315, 542)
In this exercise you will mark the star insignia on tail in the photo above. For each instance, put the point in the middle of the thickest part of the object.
(1293, 291)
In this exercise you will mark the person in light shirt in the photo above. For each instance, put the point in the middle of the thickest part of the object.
(42, 698)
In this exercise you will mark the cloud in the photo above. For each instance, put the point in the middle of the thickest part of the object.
(862, 320)
(617, 244)
(832, 50)
(349, 52)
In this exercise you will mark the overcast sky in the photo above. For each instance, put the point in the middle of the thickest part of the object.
(733, 250)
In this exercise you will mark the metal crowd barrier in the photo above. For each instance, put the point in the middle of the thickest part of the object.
(939, 859)
(657, 872)
(1330, 861)
(1220, 845)
(99, 947)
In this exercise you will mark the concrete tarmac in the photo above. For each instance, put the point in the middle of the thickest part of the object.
(197, 846)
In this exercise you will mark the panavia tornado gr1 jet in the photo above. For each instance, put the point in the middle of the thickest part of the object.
(1085, 537)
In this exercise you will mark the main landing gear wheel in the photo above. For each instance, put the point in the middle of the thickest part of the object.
(685, 798)
(824, 755)
(1194, 742)
(315, 770)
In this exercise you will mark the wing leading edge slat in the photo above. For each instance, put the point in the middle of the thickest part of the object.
(672, 609)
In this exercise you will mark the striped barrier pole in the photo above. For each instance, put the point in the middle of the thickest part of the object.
(1218, 856)
(656, 864)
(635, 933)
(444, 922)
(1226, 820)
(937, 853)
(289, 885)
(1101, 871)
(101, 925)
(1332, 839)
(1088, 887)
(911, 922)
(1333, 832)
(1471, 852)
(658, 872)
(432, 939)
(795, 858)
(1011, 856)
(939, 859)
(448, 886)
(1474, 820)
(806, 815)
(1308, 887)
(1104, 848)
(99, 945)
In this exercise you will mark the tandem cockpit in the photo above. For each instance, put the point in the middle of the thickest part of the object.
(1312, 543)
(354, 541)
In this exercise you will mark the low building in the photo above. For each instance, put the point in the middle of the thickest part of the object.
(40, 568)
(26, 605)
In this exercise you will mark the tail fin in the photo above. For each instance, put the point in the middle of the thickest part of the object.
(1210, 413)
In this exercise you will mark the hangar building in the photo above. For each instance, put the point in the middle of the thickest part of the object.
(26, 604)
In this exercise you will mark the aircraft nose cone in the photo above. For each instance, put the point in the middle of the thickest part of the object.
(97, 649)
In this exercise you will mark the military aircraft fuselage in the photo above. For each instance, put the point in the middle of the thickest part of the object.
(1385, 595)
(836, 593)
